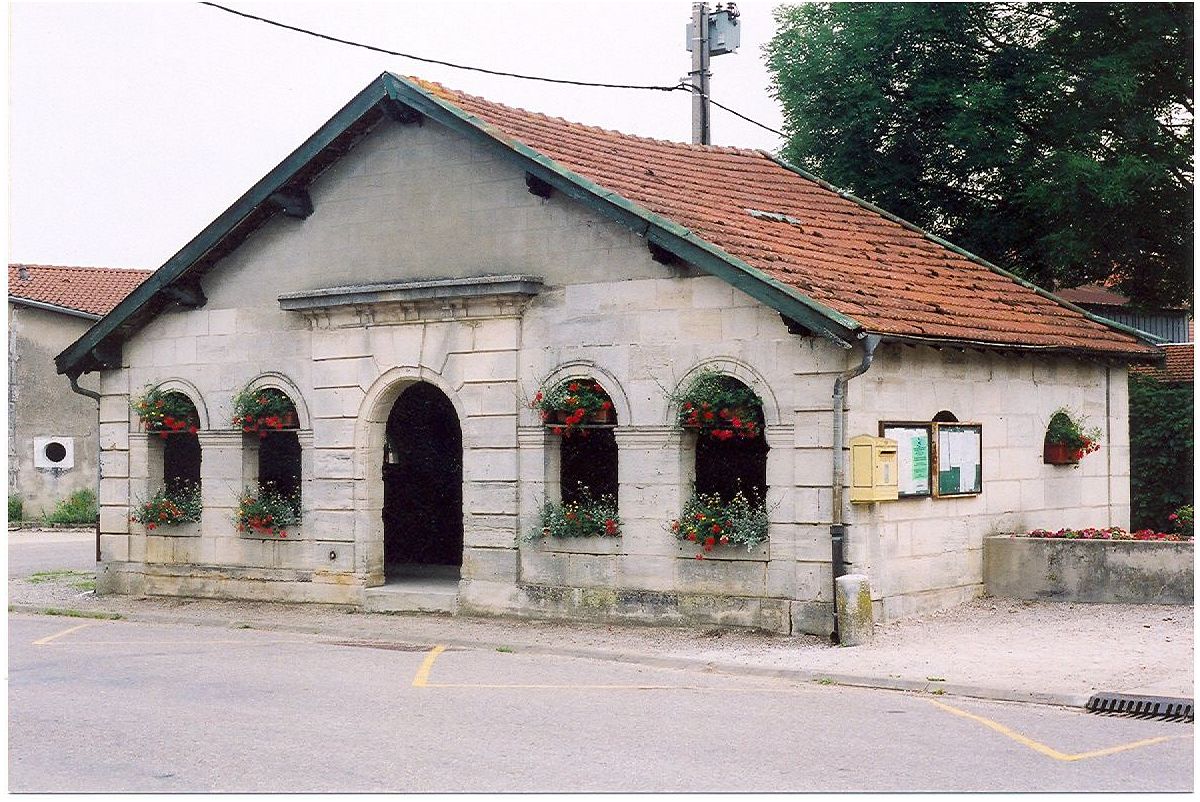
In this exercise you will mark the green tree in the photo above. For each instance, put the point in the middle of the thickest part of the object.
(1054, 139)
(1161, 450)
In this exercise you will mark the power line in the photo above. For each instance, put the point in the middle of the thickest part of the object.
(486, 71)
(434, 60)
(685, 85)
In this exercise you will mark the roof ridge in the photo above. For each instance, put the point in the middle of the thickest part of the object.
(449, 94)
(19, 265)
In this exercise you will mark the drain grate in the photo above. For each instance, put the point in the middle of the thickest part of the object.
(1134, 706)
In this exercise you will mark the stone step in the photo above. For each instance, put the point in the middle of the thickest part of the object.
(414, 595)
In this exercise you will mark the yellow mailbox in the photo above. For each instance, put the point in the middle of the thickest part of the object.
(873, 474)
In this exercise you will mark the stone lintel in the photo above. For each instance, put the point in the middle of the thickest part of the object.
(514, 288)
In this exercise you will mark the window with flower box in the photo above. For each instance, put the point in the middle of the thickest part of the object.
(272, 455)
(171, 420)
(579, 414)
(731, 452)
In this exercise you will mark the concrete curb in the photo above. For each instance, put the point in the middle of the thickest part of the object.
(922, 686)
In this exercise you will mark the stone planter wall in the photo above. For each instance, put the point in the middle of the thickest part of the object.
(1131, 572)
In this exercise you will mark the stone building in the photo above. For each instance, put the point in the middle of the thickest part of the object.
(428, 262)
(52, 433)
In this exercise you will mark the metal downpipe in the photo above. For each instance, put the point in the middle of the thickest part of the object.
(837, 529)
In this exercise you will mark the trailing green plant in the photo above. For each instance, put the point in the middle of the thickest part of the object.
(586, 516)
(1161, 450)
(709, 521)
(16, 508)
(719, 406)
(170, 505)
(77, 508)
(166, 412)
(1067, 429)
(262, 410)
(266, 511)
(571, 403)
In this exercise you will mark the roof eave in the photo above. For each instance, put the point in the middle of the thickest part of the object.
(49, 307)
(1148, 357)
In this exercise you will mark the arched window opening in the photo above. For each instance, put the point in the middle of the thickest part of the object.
(731, 452)
(728, 505)
(945, 416)
(578, 412)
(267, 416)
(172, 417)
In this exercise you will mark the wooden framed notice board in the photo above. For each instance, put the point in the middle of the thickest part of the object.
(942, 460)
(914, 455)
(958, 449)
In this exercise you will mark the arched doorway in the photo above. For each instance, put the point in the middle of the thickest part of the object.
(422, 485)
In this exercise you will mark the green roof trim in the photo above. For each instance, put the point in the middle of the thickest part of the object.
(963, 252)
(76, 358)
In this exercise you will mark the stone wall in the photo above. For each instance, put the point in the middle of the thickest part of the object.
(923, 553)
(41, 404)
(1109, 571)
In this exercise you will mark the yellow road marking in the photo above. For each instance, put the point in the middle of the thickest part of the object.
(57, 635)
(421, 680)
(1048, 751)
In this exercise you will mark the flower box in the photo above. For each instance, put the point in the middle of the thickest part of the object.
(574, 404)
(262, 411)
(1067, 441)
(587, 517)
(720, 407)
(166, 413)
(1061, 454)
(709, 523)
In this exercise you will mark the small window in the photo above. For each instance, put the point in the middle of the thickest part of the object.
(731, 452)
(178, 426)
(580, 412)
(267, 416)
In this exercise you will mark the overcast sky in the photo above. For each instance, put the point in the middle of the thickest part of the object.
(133, 125)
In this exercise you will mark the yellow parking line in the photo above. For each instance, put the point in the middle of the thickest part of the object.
(57, 635)
(421, 680)
(1041, 748)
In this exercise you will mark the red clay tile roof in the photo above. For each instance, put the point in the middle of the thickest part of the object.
(891, 279)
(1179, 367)
(95, 290)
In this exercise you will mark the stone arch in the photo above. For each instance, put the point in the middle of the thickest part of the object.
(579, 368)
(737, 369)
(283, 384)
(370, 432)
(185, 387)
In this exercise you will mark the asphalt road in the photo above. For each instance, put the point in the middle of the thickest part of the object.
(115, 706)
(48, 550)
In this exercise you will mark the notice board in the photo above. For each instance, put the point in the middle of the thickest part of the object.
(959, 459)
(914, 455)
